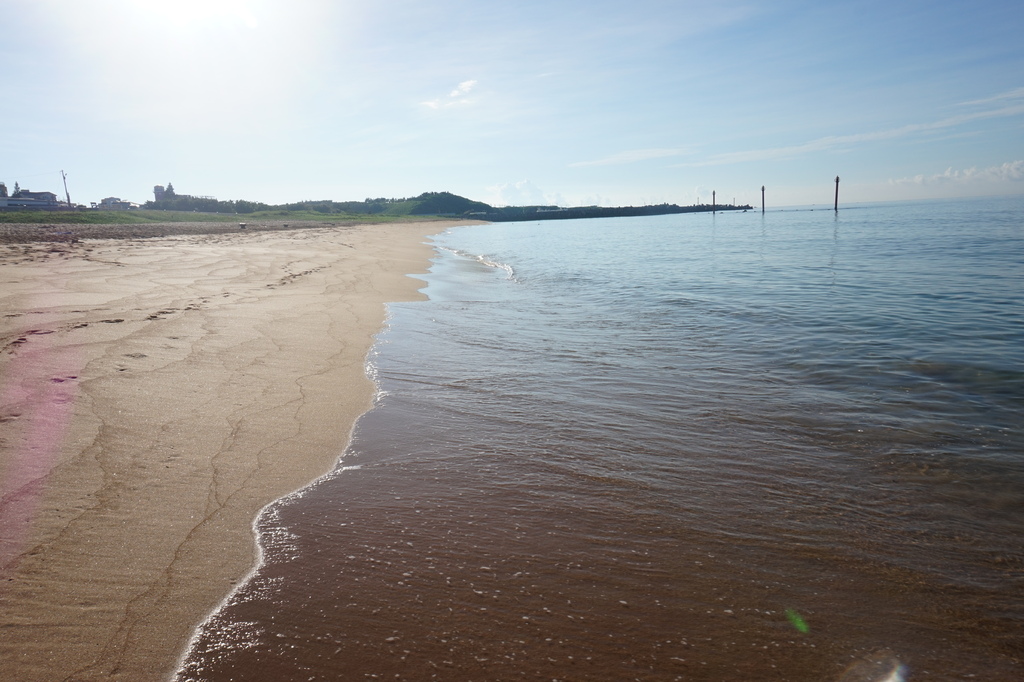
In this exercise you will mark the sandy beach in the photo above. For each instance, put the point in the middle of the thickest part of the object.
(155, 394)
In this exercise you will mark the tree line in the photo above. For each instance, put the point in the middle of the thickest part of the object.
(428, 203)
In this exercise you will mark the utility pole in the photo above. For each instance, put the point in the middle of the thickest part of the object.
(762, 199)
(837, 195)
(66, 193)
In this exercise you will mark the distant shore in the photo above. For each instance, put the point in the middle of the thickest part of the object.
(191, 215)
(156, 393)
(520, 213)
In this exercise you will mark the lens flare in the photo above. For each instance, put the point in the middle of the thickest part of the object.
(797, 621)
(878, 666)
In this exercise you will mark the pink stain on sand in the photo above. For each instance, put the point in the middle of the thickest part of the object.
(37, 398)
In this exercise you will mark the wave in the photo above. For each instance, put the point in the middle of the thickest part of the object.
(488, 261)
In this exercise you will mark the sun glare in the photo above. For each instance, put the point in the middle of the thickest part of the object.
(201, 12)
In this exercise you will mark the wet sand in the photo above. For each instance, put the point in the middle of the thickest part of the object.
(155, 394)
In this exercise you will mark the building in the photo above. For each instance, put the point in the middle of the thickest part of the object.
(26, 199)
(114, 204)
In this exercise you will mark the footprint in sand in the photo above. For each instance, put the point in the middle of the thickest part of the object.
(160, 314)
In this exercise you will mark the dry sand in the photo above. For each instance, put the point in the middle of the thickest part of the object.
(155, 394)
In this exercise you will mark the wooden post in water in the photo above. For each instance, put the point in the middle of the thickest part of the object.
(762, 199)
(712, 202)
(837, 195)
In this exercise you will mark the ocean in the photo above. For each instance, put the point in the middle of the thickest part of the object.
(693, 447)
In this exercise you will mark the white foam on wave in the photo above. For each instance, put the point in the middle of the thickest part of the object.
(370, 366)
(483, 260)
(271, 537)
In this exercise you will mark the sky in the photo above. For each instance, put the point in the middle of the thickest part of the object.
(567, 102)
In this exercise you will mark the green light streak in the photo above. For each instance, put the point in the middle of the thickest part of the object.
(798, 621)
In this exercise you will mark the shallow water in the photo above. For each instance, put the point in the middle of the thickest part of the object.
(723, 447)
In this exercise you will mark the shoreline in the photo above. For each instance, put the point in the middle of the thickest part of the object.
(157, 394)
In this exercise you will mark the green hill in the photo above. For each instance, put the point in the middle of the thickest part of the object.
(446, 203)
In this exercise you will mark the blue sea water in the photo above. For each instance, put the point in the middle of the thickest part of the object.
(726, 447)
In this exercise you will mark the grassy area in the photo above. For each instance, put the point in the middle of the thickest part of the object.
(302, 216)
(142, 217)
(88, 217)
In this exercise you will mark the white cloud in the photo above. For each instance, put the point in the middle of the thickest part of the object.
(1016, 93)
(839, 142)
(455, 98)
(522, 193)
(1011, 171)
(463, 88)
(631, 156)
